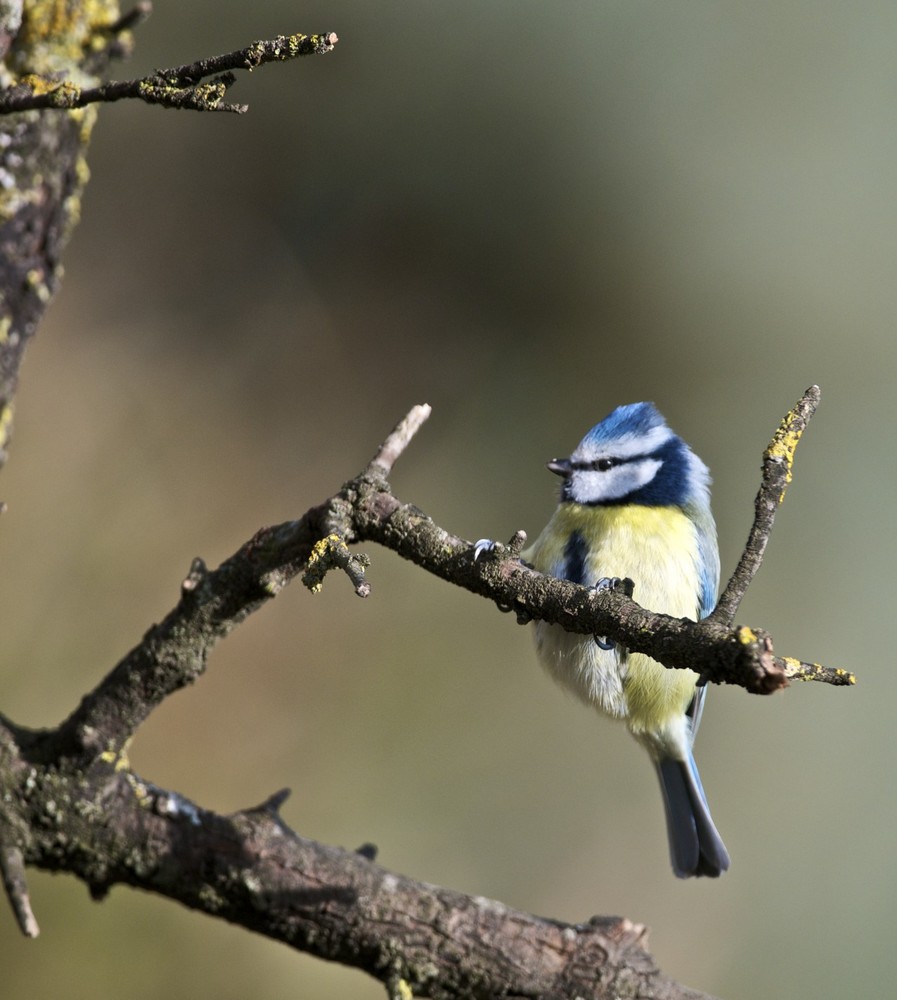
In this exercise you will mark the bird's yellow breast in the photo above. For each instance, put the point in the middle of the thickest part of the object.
(656, 547)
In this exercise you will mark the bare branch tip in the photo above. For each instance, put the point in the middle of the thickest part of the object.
(328, 40)
(814, 393)
(797, 670)
(778, 463)
(12, 867)
(786, 438)
(400, 438)
(517, 543)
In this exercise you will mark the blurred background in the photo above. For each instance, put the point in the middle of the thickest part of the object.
(523, 214)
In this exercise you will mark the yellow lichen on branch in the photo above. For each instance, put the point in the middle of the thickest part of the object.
(786, 439)
(332, 552)
(327, 553)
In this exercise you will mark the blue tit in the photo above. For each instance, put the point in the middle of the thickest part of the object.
(635, 502)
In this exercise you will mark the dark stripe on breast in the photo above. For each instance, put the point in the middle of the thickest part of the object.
(575, 553)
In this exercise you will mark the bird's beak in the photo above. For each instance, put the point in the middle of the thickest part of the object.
(560, 467)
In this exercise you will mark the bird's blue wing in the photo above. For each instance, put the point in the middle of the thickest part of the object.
(708, 568)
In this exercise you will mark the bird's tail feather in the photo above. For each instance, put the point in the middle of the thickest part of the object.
(695, 846)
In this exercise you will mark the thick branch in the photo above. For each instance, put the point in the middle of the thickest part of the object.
(108, 826)
(42, 172)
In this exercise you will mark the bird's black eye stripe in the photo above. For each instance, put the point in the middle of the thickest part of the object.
(599, 465)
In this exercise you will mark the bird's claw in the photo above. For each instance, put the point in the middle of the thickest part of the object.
(485, 546)
(605, 583)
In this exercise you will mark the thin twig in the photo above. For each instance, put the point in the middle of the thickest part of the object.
(400, 438)
(12, 867)
(177, 87)
(131, 18)
(778, 462)
(797, 670)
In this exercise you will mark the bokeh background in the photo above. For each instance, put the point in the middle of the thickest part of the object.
(524, 214)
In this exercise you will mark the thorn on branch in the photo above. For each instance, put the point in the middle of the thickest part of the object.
(270, 810)
(98, 890)
(331, 552)
(12, 867)
(194, 579)
(272, 804)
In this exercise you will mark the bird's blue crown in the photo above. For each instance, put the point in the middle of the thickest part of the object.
(633, 419)
(632, 456)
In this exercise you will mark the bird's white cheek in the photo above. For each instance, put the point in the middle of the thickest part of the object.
(589, 487)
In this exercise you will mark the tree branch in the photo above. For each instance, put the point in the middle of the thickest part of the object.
(178, 87)
(106, 825)
(778, 462)
(42, 159)
(174, 652)
(12, 868)
(70, 802)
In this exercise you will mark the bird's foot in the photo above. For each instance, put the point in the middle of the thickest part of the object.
(484, 547)
(605, 583)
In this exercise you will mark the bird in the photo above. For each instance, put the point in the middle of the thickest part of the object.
(635, 503)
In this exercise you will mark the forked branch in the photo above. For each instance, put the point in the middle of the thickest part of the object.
(196, 86)
(70, 802)
(174, 652)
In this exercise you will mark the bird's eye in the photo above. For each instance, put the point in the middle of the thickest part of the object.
(603, 464)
